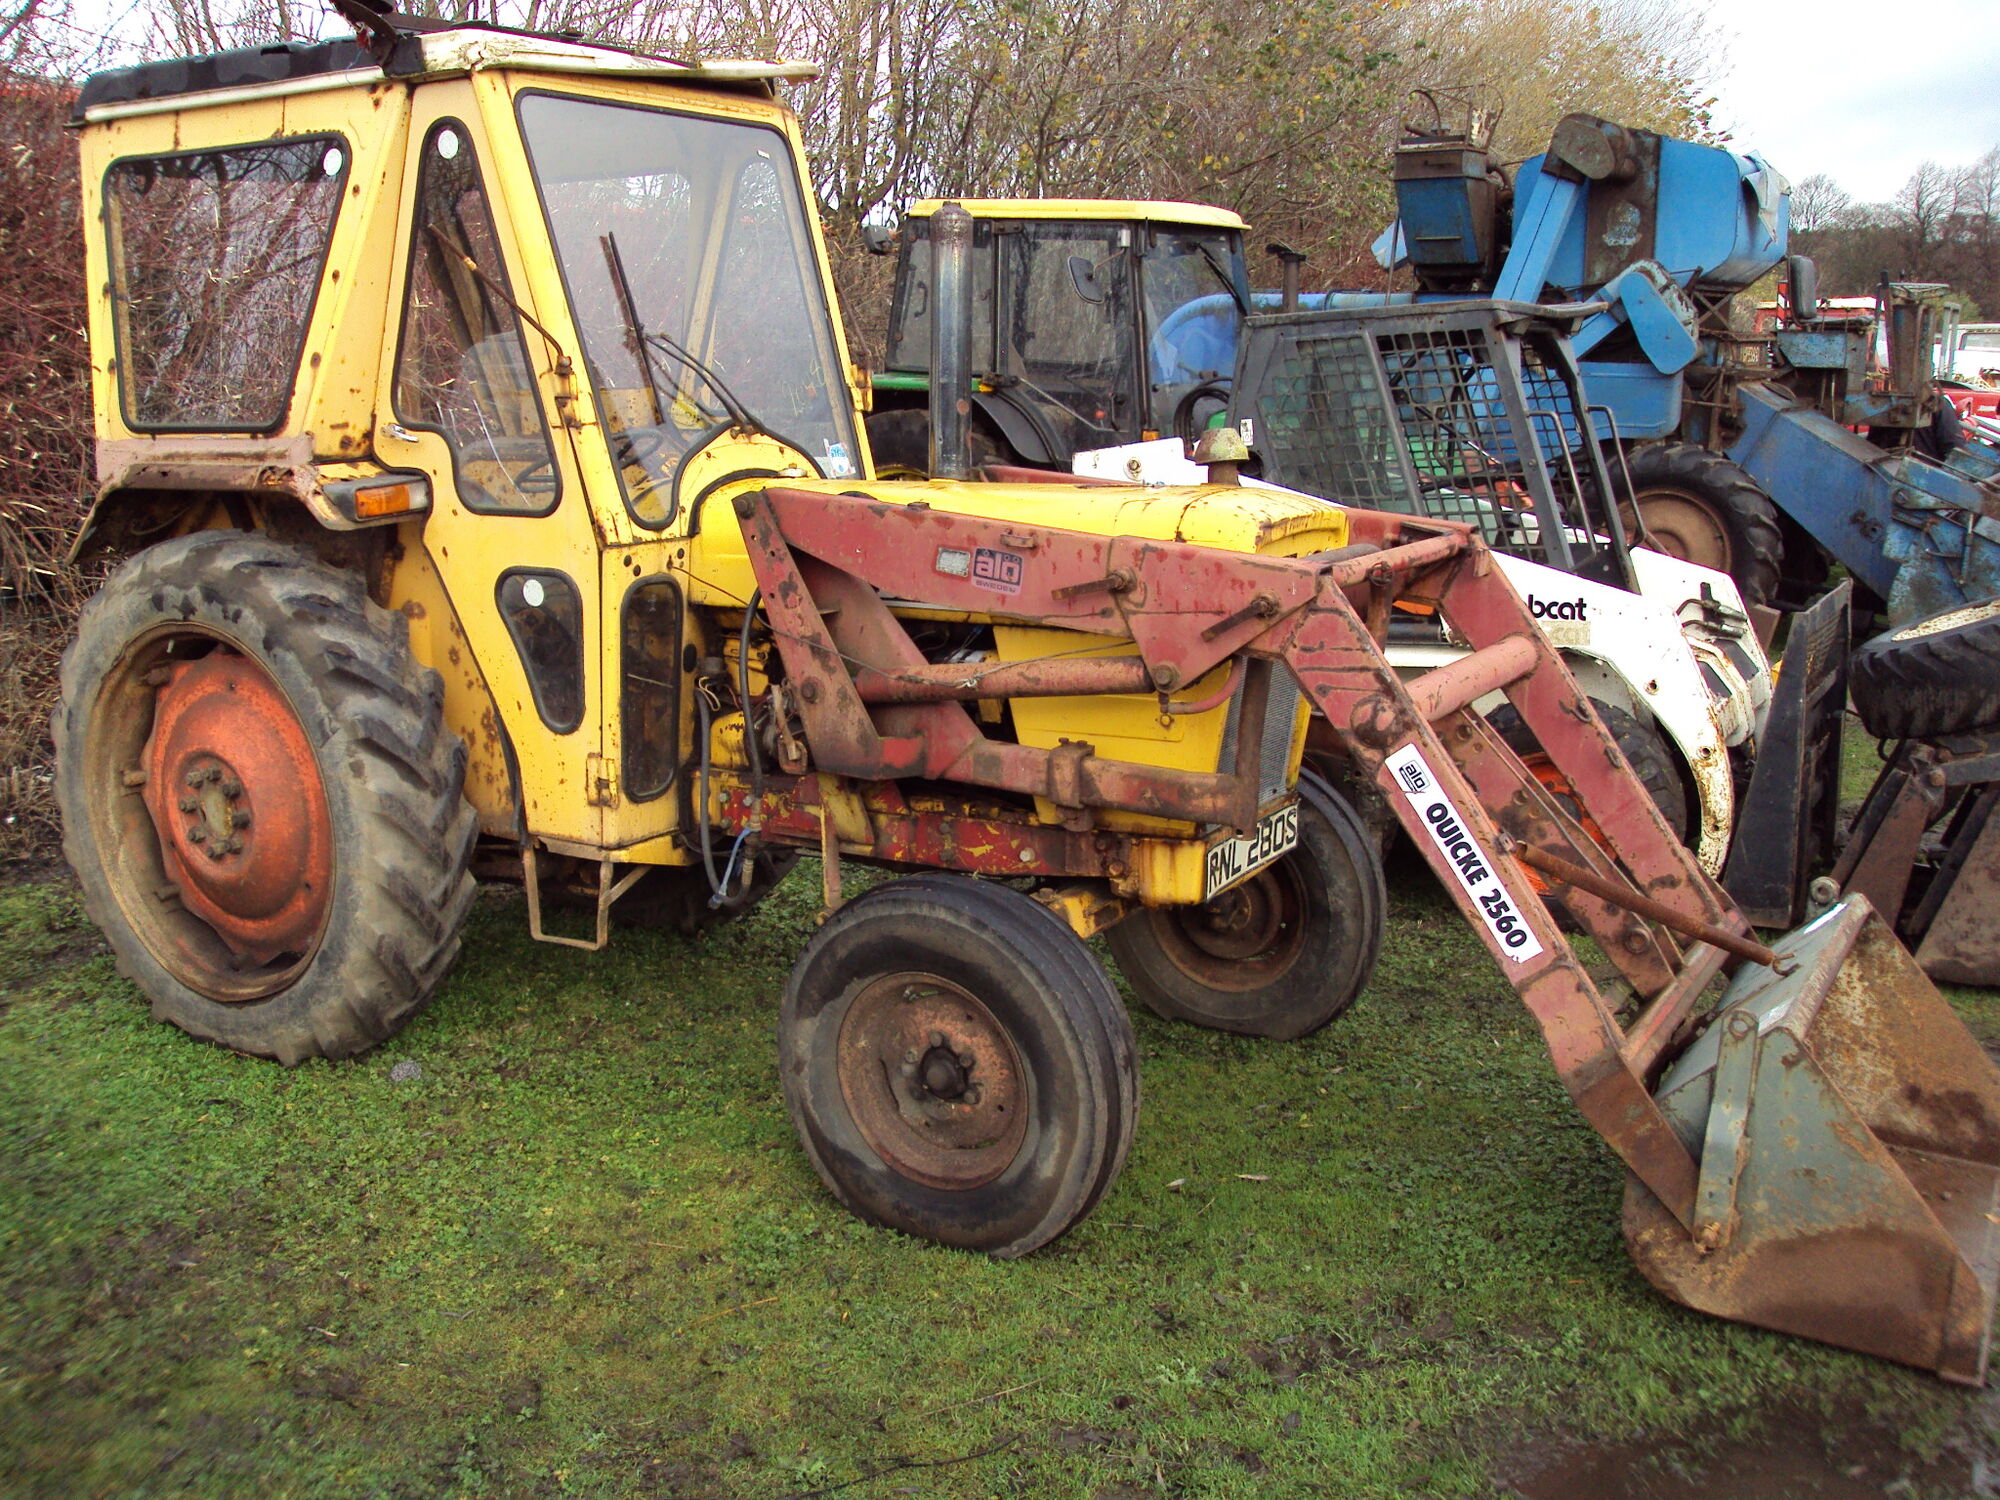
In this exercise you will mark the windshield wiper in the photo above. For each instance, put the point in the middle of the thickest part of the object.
(644, 343)
(1215, 264)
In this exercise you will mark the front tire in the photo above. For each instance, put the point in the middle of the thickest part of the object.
(957, 1065)
(1279, 955)
(260, 798)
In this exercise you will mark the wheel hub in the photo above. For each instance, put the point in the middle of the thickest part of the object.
(234, 793)
(1686, 526)
(1240, 923)
(932, 1081)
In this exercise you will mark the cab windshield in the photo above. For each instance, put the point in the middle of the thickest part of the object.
(1191, 307)
(684, 248)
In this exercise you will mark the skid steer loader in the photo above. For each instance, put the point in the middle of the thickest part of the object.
(474, 431)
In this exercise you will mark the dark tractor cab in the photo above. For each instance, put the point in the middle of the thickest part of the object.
(1093, 324)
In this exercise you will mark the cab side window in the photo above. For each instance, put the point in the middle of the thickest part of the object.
(464, 368)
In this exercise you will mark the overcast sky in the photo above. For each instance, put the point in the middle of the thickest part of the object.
(1863, 90)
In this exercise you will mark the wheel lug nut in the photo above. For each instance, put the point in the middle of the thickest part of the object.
(197, 833)
(189, 804)
(239, 818)
(937, 1038)
(910, 1056)
(195, 778)
(215, 851)
(232, 788)
(965, 1059)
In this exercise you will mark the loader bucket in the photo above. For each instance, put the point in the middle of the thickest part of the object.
(1847, 1128)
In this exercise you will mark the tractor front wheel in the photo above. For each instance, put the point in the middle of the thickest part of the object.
(1280, 954)
(260, 798)
(958, 1065)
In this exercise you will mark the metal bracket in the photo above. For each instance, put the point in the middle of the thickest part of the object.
(1726, 1147)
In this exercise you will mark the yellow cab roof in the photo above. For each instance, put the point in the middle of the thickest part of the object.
(1146, 210)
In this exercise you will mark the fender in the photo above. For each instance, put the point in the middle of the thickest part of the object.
(1026, 433)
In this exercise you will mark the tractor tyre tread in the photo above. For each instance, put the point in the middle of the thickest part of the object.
(948, 918)
(1939, 675)
(1745, 510)
(403, 887)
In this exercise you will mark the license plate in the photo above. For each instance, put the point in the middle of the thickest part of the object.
(1277, 833)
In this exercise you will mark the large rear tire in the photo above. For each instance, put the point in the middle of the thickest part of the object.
(1937, 676)
(1279, 955)
(260, 798)
(958, 1065)
(1702, 508)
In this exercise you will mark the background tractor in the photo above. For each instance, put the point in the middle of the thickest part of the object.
(501, 507)
(1094, 322)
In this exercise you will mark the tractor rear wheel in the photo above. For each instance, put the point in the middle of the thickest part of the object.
(958, 1065)
(1702, 508)
(260, 797)
(1280, 954)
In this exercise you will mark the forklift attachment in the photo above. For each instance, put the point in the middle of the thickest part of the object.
(1790, 813)
(1848, 1131)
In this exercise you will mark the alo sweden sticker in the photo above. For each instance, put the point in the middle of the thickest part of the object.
(1468, 861)
(836, 462)
(997, 570)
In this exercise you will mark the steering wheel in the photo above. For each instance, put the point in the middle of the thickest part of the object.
(539, 478)
(1189, 421)
(637, 444)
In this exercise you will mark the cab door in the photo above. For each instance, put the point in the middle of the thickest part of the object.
(474, 398)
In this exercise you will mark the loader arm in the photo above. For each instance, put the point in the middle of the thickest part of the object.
(826, 564)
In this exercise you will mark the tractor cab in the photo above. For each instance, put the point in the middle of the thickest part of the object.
(1095, 322)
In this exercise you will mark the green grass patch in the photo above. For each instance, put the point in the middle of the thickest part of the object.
(582, 1254)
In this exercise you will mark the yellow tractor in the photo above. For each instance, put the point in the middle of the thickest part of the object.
(484, 475)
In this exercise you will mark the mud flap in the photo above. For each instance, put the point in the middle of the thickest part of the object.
(1847, 1127)
(1786, 819)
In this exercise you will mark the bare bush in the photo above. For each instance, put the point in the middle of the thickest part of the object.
(44, 443)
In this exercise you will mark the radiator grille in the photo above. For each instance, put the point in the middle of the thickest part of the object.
(1281, 723)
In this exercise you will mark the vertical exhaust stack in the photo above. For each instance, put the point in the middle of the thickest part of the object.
(951, 343)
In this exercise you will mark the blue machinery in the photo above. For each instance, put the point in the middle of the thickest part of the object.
(1660, 233)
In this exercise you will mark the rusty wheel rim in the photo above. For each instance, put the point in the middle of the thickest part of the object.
(933, 1081)
(1244, 939)
(215, 805)
(1686, 526)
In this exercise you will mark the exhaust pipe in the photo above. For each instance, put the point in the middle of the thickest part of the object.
(951, 343)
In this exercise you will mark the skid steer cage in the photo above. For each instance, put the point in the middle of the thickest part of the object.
(1822, 1160)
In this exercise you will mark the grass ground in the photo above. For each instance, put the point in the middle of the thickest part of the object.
(581, 1254)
